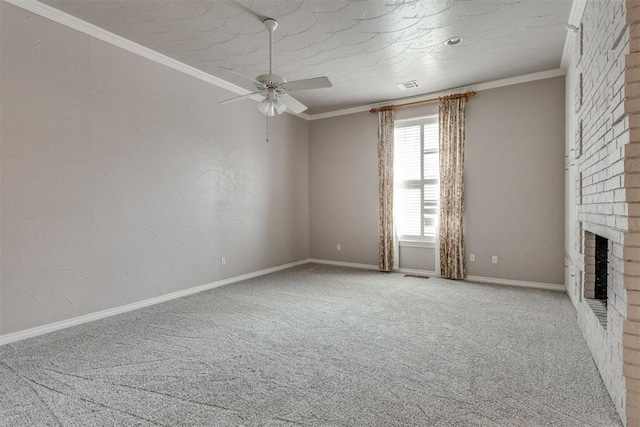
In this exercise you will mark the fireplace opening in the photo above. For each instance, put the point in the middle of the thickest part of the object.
(596, 277)
(602, 264)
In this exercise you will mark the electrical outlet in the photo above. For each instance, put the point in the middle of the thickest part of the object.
(223, 261)
(338, 247)
(472, 257)
(494, 259)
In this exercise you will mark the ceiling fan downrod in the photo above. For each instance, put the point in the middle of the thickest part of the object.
(271, 25)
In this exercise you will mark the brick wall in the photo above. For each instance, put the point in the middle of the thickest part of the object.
(631, 326)
(601, 134)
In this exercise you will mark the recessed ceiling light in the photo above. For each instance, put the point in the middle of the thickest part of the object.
(408, 85)
(452, 41)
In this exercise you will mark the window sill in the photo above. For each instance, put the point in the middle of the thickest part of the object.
(413, 244)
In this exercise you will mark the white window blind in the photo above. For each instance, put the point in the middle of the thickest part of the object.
(416, 171)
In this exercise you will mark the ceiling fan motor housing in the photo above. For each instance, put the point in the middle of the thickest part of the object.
(271, 79)
(272, 84)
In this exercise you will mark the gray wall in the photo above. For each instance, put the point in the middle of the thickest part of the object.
(418, 258)
(123, 180)
(514, 184)
(344, 188)
(514, 171)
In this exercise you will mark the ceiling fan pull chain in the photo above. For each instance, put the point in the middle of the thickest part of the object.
(267, 128)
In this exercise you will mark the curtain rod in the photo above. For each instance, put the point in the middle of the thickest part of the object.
(426, 101)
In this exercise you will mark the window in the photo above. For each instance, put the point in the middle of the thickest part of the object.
(416, 172)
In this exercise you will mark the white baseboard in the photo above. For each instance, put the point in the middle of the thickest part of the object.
(343, 264)
(44, 329)
(417, 272)
(520, 283)
(493, 280)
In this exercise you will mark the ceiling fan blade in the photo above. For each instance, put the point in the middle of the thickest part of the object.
(292, 103)
(254, 81)
(240, 97)
(313, 83)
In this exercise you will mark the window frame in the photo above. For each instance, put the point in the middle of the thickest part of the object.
(429, 240)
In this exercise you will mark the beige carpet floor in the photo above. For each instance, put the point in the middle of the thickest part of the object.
(319, 346)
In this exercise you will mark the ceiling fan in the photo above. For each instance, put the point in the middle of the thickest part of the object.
(274, 88)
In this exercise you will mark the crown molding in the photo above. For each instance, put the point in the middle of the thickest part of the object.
(475, 87)
(94, 31)
(575, 19)
(78, 24)
(577, 10)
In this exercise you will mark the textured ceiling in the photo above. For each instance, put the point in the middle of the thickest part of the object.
(364, 47)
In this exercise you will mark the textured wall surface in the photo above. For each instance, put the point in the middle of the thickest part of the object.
(123, 180)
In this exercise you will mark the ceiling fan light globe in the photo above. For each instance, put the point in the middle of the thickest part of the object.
(263, 106)
(280, 107)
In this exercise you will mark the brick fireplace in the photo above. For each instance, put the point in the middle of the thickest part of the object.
(602, 166)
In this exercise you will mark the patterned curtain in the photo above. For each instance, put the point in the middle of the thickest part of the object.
(385, 190)
(452, 135)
